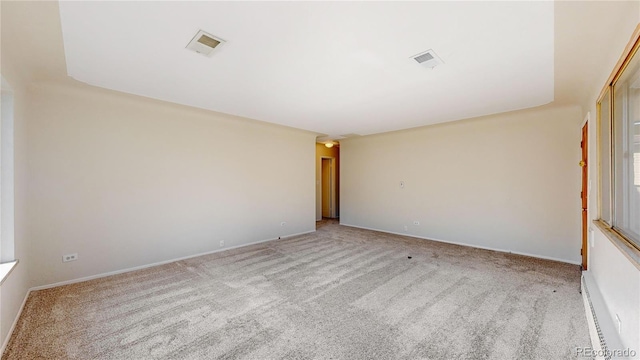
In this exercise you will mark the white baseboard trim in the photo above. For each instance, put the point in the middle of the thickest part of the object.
(135, 268)
(597, 340)
(606, 335)
(468, 245)
(14, 324)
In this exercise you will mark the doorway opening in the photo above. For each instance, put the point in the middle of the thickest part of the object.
(328, 190)
(327, 182)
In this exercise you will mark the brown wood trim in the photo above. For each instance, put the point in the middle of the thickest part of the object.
(631, 47)
(625, 246)
(598, 160)
(584, 156)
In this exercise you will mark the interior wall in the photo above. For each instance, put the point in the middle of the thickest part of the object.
(333, 152)
(508, 182)
(126, 181)
(618, 282)
(617, 279)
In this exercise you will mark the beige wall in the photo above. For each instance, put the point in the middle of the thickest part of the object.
(334, 152)
(125, 181)
(618, 282)
(507, 182)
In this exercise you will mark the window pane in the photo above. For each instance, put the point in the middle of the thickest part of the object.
(626, 165)
(605, 159)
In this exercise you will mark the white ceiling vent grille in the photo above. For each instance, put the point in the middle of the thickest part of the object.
(349, 135)
(428, 59)
(204, 43)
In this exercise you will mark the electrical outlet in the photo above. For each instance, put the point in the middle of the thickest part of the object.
(416, 222)
(283, 223)
(406, 228)
(221, 243)
(619, 324)
(70, 257)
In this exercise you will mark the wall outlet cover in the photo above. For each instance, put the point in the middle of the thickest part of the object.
(70, 257)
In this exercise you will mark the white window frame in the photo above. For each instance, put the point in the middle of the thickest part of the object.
(7, 249)
(608, 221)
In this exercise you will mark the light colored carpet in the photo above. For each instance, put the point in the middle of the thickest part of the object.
(339, 293)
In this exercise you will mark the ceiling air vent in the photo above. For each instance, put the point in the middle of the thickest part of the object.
(349, 135)
(428, 59)
(204, 43)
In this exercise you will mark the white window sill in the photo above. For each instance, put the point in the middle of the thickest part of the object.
(624, 245)
(5, 270)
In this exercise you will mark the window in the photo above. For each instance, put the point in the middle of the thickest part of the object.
(7, 260)
(619, 150)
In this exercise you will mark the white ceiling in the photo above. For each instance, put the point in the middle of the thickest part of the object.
(330, 67)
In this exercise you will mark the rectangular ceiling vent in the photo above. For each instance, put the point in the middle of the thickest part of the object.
(428, 59)
(204, 43)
